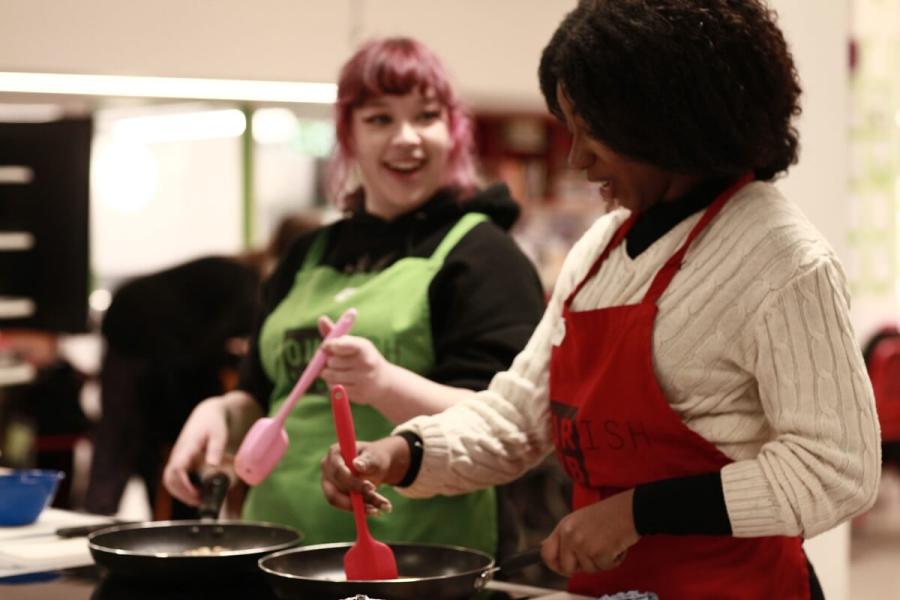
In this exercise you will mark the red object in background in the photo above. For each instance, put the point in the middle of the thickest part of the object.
(883, 363)
(505, 140)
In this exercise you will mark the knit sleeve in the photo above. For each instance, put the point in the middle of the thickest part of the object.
(493, 437)
(823, 463)
(500, 433)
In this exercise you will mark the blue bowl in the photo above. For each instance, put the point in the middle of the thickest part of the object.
(25, 493)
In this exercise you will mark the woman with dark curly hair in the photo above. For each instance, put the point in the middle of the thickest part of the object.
(696, 371)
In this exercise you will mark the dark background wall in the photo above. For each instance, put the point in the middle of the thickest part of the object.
(53, 207)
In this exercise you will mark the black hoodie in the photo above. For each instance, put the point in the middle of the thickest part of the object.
(485, 301)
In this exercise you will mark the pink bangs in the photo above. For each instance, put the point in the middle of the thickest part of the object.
(397, 66)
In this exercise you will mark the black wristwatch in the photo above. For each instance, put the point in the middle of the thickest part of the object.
(416, 450)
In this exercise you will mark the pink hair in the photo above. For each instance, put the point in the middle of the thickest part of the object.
(397, 66)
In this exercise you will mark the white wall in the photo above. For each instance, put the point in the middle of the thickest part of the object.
(875, 143)
(265, 39)
(491, 47)
(819, 40)
(154, 205)
(818, 34)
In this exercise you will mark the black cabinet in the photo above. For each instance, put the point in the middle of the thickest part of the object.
(44, 175)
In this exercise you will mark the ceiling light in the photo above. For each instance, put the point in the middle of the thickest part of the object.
(274, 125)
(30, 113)
(202, 125)
(168, 87)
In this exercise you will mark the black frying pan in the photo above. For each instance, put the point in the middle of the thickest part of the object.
(427, 572)
(197, 548)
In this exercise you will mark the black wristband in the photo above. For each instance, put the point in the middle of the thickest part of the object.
(416, 450)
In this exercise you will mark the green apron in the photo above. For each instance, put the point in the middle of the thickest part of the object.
(394, 315)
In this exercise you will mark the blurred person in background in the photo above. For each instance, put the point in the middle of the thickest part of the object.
(696, 370)
(47, 410)
(445, 300)
(172, 338)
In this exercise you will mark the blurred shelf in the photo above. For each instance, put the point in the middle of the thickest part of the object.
(15, 308)
(15, 174)
(12, 241)
(16, 374)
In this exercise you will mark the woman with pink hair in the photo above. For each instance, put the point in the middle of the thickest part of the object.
(445, 300)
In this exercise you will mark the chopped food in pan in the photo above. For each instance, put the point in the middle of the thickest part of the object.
(206, 551)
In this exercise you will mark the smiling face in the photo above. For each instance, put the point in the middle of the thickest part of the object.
(402, 145)
(629, 183)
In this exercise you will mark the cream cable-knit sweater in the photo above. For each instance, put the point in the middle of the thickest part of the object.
(753, 346)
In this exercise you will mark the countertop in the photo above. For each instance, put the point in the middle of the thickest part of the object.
(33, 549)
(87, 583)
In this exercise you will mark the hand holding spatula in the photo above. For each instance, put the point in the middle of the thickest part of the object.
(367, 559)
(266, 442)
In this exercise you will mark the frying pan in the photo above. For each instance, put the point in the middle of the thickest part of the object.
(193, 548)
(427, 571)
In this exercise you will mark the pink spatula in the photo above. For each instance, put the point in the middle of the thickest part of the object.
(265, 443)
(367, 558)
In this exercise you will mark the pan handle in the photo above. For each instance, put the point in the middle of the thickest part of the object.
(212, 493)
(509, 565)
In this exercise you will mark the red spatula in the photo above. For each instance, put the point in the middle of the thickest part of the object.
(367, 558)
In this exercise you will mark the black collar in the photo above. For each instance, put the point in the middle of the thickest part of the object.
(444, 202)
(660, 218)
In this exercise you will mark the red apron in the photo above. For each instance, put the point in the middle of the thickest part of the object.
(614, 429)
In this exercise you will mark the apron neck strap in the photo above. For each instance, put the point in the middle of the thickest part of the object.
(617, 238)
(462, 227)
(316, 250)
(665, 275)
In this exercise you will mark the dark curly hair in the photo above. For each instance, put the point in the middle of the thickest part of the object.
(700, 87)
